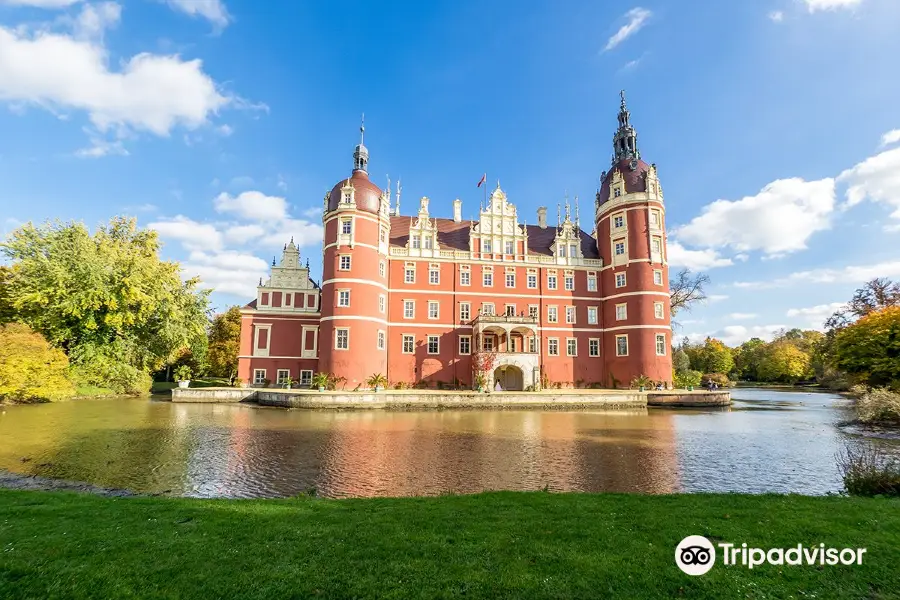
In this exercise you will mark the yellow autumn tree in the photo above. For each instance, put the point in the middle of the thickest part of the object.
(30, 368)
(783, 361)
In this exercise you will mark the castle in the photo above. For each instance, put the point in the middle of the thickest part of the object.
(412, 297)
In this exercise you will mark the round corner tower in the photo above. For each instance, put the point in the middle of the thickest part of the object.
(353, 330)
(631, 239)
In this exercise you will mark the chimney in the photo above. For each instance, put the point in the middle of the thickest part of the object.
(457, 211)
(542, 217)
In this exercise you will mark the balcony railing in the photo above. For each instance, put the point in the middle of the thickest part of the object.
(492, 318)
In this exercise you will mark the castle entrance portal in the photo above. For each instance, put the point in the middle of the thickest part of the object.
(510, 378)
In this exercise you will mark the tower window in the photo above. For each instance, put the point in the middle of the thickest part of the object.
(657, 277)
(409, 343)
(660, 344)
(553, 346)
(510, 247)
(343, 297)
(658, 310)
(345, 262)
(619, 221)
(381, 268)
(622, 345)
(346, 226)
(409, 309)
(619, 246)
(380, 340)
(434, 346)
(617, 193)
(342, 339)
(593, 347)
(621, 312)
(620, 280)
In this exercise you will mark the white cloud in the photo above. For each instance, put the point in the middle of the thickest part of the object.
(191, 234)
(100, 147)
(891, 137)
(637, 18)
(815, 316)
(224, 130)
(94, 19)
(737, 316)
(877, 179)
(241, 234)
(213, 11)
(227, 272)
(716, 298)
(776, 16)
(41, 3)
(849, 274)
(303, 232)
(696, 260)
(148, 92)
(814, 5)
(252, 205)
(735, 335)
(778, 220)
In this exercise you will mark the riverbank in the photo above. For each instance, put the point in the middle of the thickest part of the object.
(496, 545)
(449, 399)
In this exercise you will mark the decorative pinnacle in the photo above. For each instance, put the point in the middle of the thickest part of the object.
(292, 239)
(362, 128)
(273, 261)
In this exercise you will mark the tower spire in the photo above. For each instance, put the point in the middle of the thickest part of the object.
(361, 153)
(625, 139)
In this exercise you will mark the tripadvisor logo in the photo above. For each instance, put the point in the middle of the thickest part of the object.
(696, 555)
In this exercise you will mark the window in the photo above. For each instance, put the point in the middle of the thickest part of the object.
(553, 346)
(620, 280)
(571, 347)
(619, 246)
(657, 277)
(342, 339)
(465, 344)
(660, 344)
(621, 345)
(593, 347)
(487, 343)
(570, 314)
(570, 283)
(259, 376)
(592, 282)
(552, 316)
(409, 344)
(619, 221)
(617, 193)
(264, 299)
(656, 245)
(345, 262)
(428, 242)
(287, 299)
(573, 251)
(465, 277)
(487, 308)
(486, 246)
(381, 303)
(532, 344)
(658, 310)
(383, 235)
(434, 346)
(433, 309)
(409, 309)
(487, 277)
(348, 197)
(410, 274)
(263, 334)
(592, 315)
(464, 311)
(346, 225)
(510, 310)
(434, 275)
(621, 312)
(562, 251)
(415, 242)
(533, 311)
(551, 282)
(282, 376)
(381, 269)
(532, 281)
(380, 340)
(343, 297)
(510, 280)
(654, 219)
(510, 247)
(306, 377)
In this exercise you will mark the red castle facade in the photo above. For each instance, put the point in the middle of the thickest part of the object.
(411, 297)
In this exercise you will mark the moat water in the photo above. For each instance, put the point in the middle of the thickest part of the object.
(768, 441)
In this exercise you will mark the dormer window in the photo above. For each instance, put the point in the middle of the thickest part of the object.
(428, 243)
(415, 241)
(347, 197)
(509, 247)
(562, 251)
(617, 192)
(486, 246)
(573, 252)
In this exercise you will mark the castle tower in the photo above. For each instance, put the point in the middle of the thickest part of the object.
(353, 330)
(631, 240)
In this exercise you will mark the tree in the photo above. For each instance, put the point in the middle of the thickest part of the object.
(30, 368)
(747, 357)
(876, 294)
(105, 297)
(869, 349)
(783, 361)
(712, 357)
(224, 344)
(686, 290)
(483, 362)
(681, 362)
(7, 313)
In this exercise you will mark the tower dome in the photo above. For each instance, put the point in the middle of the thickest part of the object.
(367, 195)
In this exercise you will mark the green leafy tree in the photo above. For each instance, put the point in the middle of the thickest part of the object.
(224, 343)
(869, 349)
(7, 313)
(681, 362)
(30, 367)
(746, 359)
(105, 297)
(712, 357)
(784, 362)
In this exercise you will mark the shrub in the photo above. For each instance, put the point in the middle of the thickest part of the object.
(877, 405)
(642, 380)
(869, 471)
(718, 378)
(377, 379)
(30, 368)
(101, 368)
(183, 373)
(320, 379)
(686, 379)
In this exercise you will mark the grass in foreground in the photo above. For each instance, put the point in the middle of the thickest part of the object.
(494, 545)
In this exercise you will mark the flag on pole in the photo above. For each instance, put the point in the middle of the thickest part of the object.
(482, 180)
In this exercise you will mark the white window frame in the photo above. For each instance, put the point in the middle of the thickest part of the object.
(259, 376)
(620, 283)
(532, 344)
(306, 377)
(281, 376)
(592, 282)
(341, 259)
(437, 342)
(382, 303)
(346, 224)
(409, 314)
(553, 346)
(618, 220)
(434, 275)
(434, 309)
(487, 343)
(533, 311)
(507, 312)
(531, 279)
(551, 281)
(257, 351)
(510, 280)
(620, 244)
(571, 314)
(592, 312)
(654, 242)
(553, 314)
(622, 311)
(593, 347)
(623, 336)
(657, 277)
(468, 340)
(661, 340)
(382, 340)
(486, 246)
(343, 298)
(411, 338)
(382, 269)
(569, 283)
(487, 277)
(484, 308)
(571, 346)
(465, 311)
(409, 268)
(467, 271)
(659, 311)
(509, 247)
(337, 337)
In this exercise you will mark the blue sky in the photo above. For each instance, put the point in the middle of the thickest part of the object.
(221, 123)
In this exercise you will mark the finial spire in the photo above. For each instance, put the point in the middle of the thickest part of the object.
(625, 139)
(397, 212)
(361, 153)
(362, 126)
(273, 261)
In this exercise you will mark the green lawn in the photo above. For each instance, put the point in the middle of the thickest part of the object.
(494, 545)
(87, 391)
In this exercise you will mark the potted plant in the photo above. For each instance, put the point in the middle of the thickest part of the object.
(320, 380)
(377, 381)
(479, 382)
(288, 382)
(642, 383)
(183, 376)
